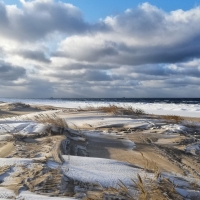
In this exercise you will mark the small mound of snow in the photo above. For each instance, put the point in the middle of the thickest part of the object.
(174, 128)
(103, 171)
(193, 148)
(21, 127)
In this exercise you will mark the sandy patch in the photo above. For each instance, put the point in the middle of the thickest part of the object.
(6, 149)
(93, 151)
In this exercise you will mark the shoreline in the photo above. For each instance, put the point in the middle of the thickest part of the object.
(156, 108)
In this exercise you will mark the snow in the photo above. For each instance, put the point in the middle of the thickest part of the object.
(100, 134)
(193, 148)
(21, 127)
(6, 193)
(161, 108)
(97, 119)
(14, 161)
(106, 172)
(174, 128)
(182, 184)
(188, 194)
(26, 195)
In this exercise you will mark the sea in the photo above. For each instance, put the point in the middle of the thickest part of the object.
(167, 106)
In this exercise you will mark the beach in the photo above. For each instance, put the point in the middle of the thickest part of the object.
(99, 100)
(94, 151)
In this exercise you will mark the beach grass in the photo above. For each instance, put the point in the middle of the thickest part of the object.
(174, 118)
(124, 110)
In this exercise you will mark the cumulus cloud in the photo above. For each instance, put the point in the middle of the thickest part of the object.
(10, 73)
(39, 18)
(36, 55)
(140, 36)
(135, 53)
(83, 75)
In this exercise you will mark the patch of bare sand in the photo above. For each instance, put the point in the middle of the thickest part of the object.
(143, 155)
(155, 148)
(6, 149)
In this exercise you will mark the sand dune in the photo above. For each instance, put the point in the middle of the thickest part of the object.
(70, 153)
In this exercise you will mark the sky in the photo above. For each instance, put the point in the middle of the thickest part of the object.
(99, 48)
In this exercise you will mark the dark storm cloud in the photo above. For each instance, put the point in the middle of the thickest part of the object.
(34, 55)
(10, 73)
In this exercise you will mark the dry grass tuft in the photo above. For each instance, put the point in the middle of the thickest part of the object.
(175, 118)
(149, 188)
(51, 119)
(116, 110)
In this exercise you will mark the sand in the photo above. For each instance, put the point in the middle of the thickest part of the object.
(6, 149)
(90, 151)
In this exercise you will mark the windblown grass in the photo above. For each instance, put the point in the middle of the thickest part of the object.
(174, 118)
(126, 110)
(52, 119)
